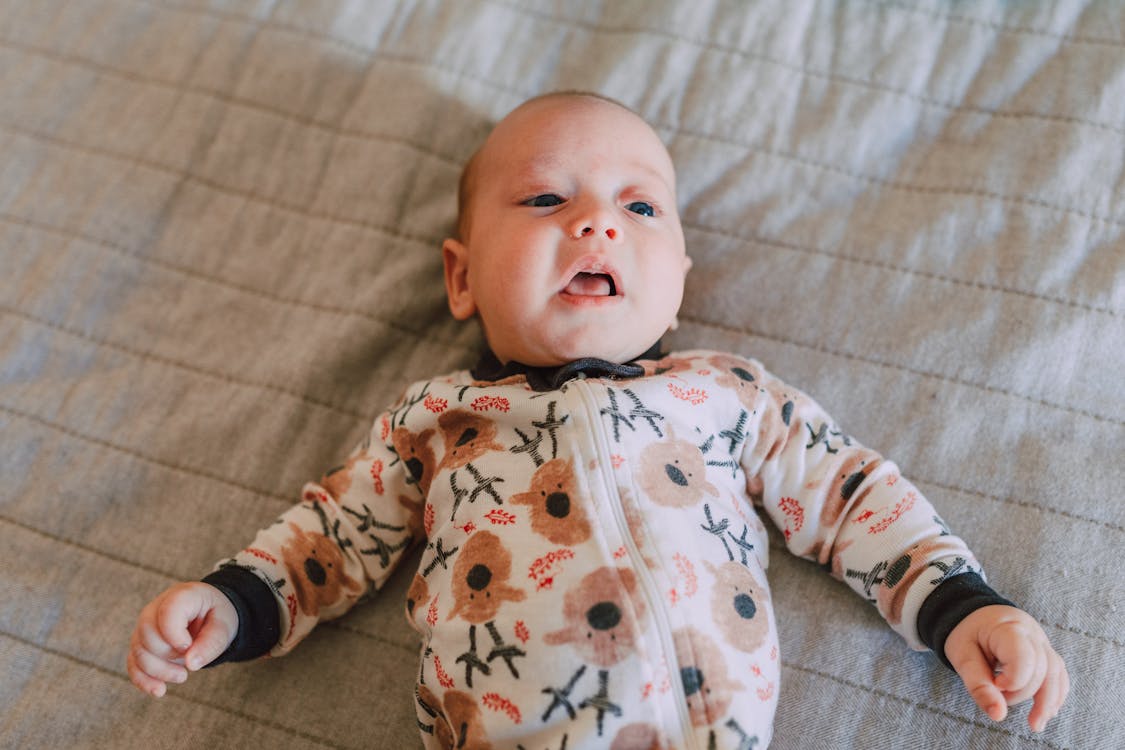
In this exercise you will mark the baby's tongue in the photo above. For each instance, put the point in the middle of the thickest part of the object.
(589, 285)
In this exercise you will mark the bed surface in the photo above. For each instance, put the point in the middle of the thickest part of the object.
(220, 225)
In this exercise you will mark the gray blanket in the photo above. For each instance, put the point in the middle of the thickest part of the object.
(219, 233)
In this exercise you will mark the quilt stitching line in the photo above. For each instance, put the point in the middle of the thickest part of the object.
(149, 356)
(136, 454)
(804, 70)
(677, 130)
(216, 706)
(684, 317)
(187, 175)
(1012, 501)
(1004, 28)
(914, 704)
(896, 366)
(957, 191)
(231, 285)
(883, 265)
(434, 241)
(226, 98)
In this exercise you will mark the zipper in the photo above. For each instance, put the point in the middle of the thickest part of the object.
(648, 585)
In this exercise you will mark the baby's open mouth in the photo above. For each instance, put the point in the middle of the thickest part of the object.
(591, 285)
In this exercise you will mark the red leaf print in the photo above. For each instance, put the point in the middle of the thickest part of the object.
(497, 703)
(384, 428)
(377, 475)
(791, 508)
(428, 518)
(499, 517)
(469, 528)
(616, 460)
(522, 632)
(619, 553)
(693, 396)
(764, 694)
(445, 680)
(431, 613)
(436, 405)
(687, 572)
(484, 403)
(262, 554)
(291, 604)
(901, 507)
(544, 568)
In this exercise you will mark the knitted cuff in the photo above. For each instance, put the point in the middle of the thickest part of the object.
(259, 622)
(950, 603)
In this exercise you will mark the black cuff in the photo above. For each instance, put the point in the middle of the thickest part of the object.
(950, 603)
(259, 621)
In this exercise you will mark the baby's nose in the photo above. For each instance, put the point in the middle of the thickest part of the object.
(609, 232)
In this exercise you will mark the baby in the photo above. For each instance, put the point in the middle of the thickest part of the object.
(594, 563)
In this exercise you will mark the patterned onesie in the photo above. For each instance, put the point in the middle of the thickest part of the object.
(594, 563)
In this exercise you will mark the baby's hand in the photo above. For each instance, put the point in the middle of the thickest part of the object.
(1003, 657)
(182, 629)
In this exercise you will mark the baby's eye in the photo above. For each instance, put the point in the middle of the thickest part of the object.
(545, 200)
(642, 208)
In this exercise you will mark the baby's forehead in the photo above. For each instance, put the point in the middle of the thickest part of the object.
(528, 141)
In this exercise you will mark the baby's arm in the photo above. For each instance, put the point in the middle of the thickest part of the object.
(186, 627)
(1003, 657)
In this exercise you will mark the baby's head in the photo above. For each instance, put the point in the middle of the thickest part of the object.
(570, 242)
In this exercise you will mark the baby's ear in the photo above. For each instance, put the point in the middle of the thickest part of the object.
(455, 256)
(687, 264)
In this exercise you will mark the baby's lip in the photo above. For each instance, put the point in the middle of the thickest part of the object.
(579, 279)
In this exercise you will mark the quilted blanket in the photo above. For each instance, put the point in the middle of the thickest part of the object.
(220, 224)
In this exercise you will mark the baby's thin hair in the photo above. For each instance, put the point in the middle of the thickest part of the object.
(464, 185)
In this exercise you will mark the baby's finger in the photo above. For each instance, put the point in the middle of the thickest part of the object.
(976, 673)
(1050, 695)
(158, 668)
(1039, 664)
(1016, 657)
(209, 643)
(144, 682)
(152, 641)
(173, 616)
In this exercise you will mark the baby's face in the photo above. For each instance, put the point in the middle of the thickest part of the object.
(574, 246)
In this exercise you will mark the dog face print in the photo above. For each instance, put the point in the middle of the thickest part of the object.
(555, 511)
(604, 614)
(740, 376)
(316, 570)
(673, 473)
(417, 456)
(708, 687)
(467, 436)
(480, 579)
(903, 572)
(458, 724)
(855, 468)
(739, 606)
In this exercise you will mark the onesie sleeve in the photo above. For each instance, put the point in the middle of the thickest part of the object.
(846, 507)
(339, 543)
